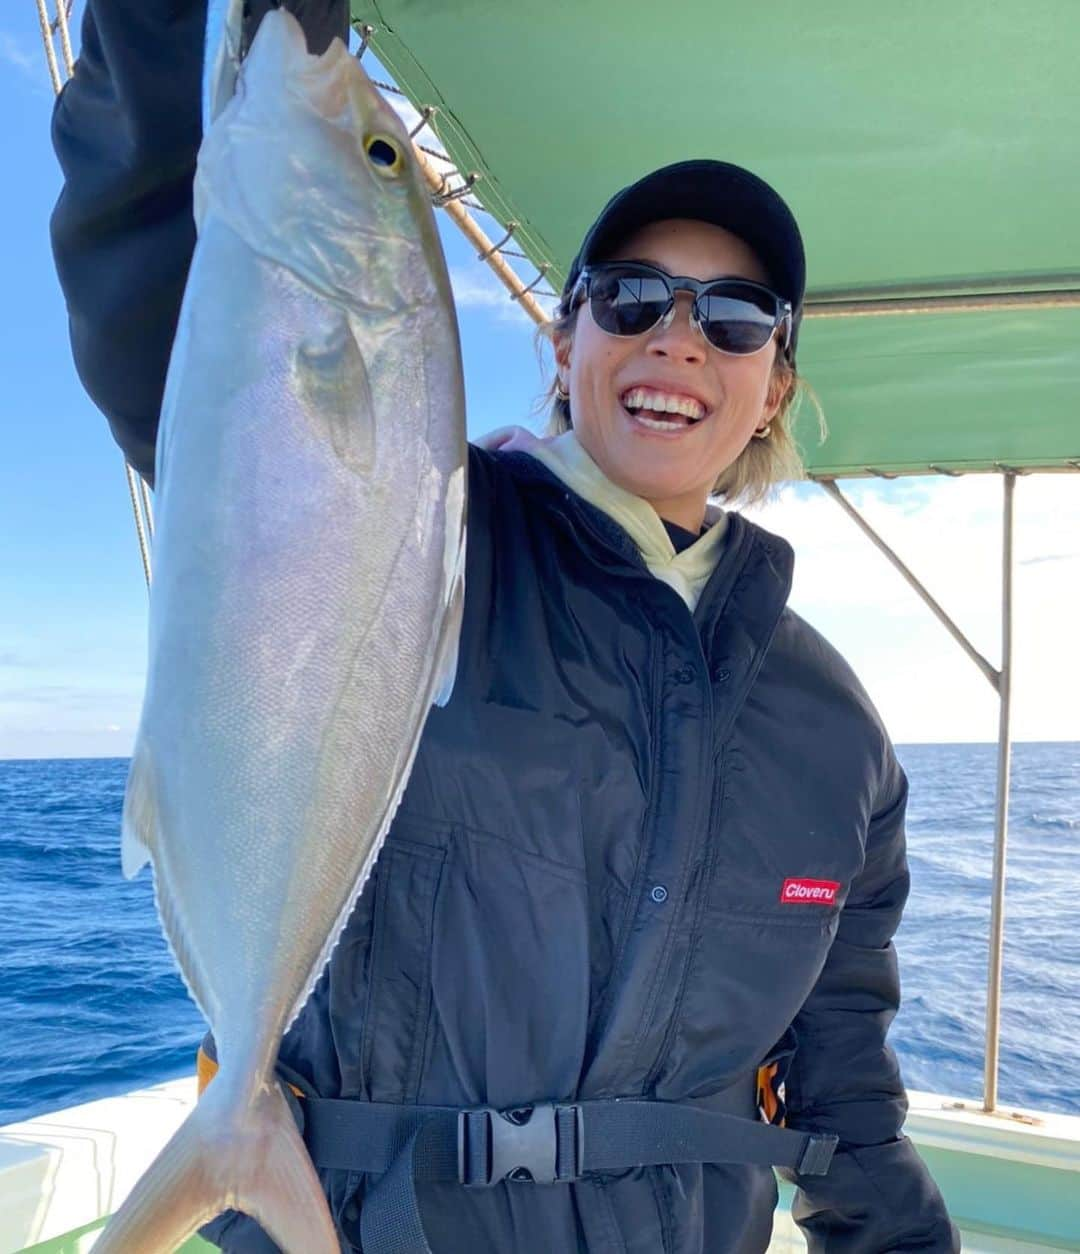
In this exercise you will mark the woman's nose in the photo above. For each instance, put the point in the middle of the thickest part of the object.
(679, 337)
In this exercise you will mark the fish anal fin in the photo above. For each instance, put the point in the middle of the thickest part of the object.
(139, 823)
(446, 663)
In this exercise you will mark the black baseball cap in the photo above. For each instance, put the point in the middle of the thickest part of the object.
(708, 191)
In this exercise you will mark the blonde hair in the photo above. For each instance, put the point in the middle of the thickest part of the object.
(763, 464)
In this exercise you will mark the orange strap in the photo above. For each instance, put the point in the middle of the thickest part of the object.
(767, 1100)
(206, 1068)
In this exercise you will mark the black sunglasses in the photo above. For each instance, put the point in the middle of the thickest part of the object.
(734, 315)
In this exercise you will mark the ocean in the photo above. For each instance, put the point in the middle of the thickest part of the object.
(91, 1004)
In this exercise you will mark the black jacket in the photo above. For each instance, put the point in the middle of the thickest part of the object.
(582, 893)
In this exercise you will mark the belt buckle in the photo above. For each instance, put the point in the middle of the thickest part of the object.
(518, 1145)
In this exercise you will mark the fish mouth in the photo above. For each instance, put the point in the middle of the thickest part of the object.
(662, 409)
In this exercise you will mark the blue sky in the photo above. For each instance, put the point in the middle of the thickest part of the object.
(73, 601)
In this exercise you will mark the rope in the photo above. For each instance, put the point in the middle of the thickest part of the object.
(140, 528)
(144, 495)
(63, 12)
(50, 51)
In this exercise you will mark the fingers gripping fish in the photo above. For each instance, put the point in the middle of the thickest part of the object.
(309, 563)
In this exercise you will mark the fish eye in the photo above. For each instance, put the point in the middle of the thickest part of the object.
(385, 155)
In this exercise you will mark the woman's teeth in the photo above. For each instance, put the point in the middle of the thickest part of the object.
(659, 403)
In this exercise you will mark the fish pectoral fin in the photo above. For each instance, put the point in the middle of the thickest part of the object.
(139, 823)
(221, 1157)
(331, 379)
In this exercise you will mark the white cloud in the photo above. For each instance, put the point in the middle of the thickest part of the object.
(948, 531)
(12, 52)
(476, 287)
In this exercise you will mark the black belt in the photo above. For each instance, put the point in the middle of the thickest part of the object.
(547, 1143)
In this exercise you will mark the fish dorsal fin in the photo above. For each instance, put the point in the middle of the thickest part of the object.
(139, 824)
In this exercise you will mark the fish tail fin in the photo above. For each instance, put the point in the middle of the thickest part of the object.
(219, 1161)
(283, 1191)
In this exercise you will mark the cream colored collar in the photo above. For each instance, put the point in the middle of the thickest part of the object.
(687, 572)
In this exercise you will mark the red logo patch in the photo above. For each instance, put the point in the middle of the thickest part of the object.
(809, 892)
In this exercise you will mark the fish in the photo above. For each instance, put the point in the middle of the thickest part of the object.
(309, 552)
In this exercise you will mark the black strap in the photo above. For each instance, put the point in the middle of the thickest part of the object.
(550, 1143)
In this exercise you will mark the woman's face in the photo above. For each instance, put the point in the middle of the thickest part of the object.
(674, 469)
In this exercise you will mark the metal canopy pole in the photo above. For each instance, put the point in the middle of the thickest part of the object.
(1001, 681)
(1001, 822)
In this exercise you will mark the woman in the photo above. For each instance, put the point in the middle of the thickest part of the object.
(640, 892)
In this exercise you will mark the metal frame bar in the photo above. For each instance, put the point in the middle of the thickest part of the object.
(1001, 817)
(863, 307)
(975, 294)
(991, 674)
(1001, 681)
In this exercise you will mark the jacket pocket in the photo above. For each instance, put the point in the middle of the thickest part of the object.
(510, 976)
(395, 1021)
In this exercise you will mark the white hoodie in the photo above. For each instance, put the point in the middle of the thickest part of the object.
(687, 572)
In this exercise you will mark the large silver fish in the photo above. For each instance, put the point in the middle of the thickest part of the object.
(309, 560)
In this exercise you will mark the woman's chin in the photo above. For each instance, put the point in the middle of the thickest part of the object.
(644, 481)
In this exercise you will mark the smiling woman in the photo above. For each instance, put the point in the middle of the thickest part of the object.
(622, 386)
(708, 367)
(627, 391)
(576, 960)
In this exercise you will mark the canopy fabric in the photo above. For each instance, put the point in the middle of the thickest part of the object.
(926, 149)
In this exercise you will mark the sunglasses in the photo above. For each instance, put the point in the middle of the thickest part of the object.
(629, 298)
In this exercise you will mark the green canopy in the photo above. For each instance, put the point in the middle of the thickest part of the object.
(929, 150)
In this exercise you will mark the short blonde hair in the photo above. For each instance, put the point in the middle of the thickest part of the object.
(763, 464)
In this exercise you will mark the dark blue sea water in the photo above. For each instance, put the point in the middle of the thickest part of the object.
(91, 1005)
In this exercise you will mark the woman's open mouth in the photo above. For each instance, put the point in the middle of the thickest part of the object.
(662, 411)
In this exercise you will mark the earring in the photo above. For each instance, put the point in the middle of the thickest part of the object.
(561, 394)
(763, 433)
